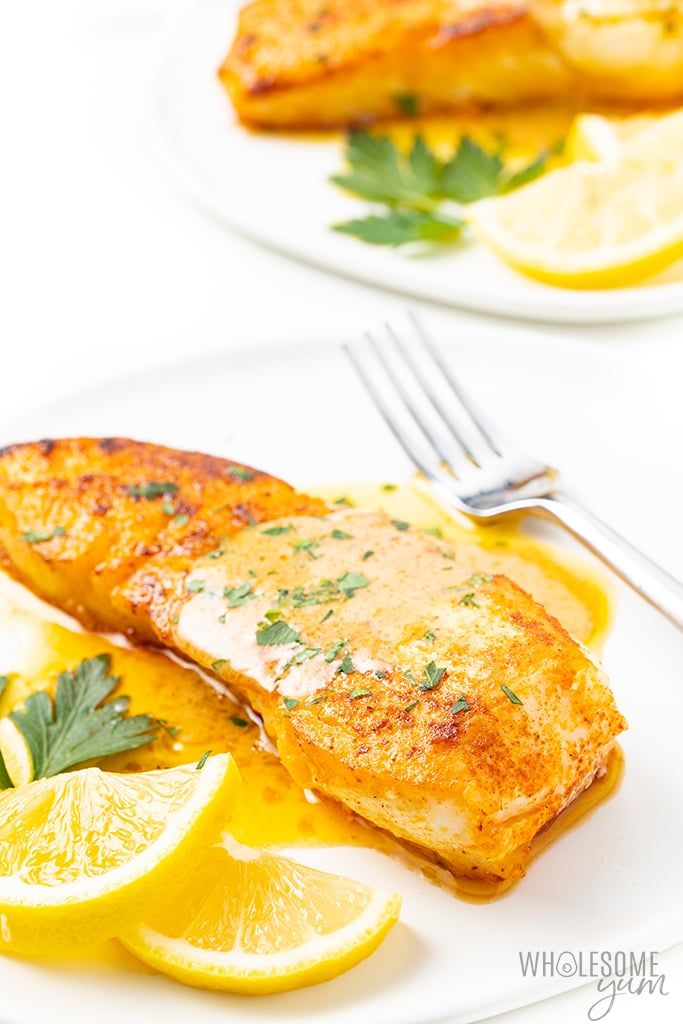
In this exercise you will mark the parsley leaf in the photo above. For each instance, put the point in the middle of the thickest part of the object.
(432, 676)
(38, 536)
(350, 582)
(152, 489)
(80, 725)
(398, 227)
(414, 185)
(359, 692)
(276, 531)
(277, 632)
(237, 596)
(512, 697)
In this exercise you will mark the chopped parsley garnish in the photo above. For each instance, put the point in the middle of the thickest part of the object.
(277, 531)
(407, 103)
(479, 578)
(434, 531)
(307, 545)
(344, 501)
(432, 676)
(272, 615)
(301, 656)
(168, 508)
(277, 633)
(448, 554)
(195, 586)
(152, 489)
(341, 535)
(460, 705)
(359, 692)
(468, 599)
(239, 595)
(366, 555)
(240, 473)
(172, 730)
(290, 703)
(79, 724)
(241, 723)
(400, 524)
(218, 664)
(181, 520)
(39, 536)
(317, 700)
(327, 615)
(334, 650)
(430, 636)
(389, 487)
(350, 582)
(346, 665)
(216, 553)
(409, 707)
(203, 759)
(510, 695)
(380, 675)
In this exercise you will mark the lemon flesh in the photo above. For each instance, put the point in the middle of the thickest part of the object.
(85, 853)
(255, 923)
(596, 225)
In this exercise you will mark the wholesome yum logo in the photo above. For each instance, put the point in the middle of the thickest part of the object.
(618, 973)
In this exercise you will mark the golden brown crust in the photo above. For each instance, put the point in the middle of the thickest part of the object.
(121, 559)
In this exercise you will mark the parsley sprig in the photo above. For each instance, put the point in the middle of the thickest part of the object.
(79, 725)
(419, 189)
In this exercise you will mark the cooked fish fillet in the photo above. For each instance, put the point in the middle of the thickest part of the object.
(318, 63)
(442, 704)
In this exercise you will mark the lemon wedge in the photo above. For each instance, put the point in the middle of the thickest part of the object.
(592, 137)
(254, 923)
(595, 225)
(85, 853)
(15, 753)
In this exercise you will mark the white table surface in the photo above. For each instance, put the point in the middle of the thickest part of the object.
(106, 268)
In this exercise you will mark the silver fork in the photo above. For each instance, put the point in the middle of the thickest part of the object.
(475, 467)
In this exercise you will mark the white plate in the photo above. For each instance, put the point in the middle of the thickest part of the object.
(613, 882)
(276, 190)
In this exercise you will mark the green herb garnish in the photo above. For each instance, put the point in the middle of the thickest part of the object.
(413, 186)
(359, 692)
(346, 666)
(39, 536)
(366, 555)
(239, 595)
(218, 664)
(510, 695)
(241, 723)
(409, 707)
(152, 489)
(290, 703)
(460, 705)
(430, 636)
(407, 103)
(181, 520)
(316, 700)
(327, 615)
(334, 650)
(203, 759)
(276, 633)
(468, 599)
(432, 676)
(479, 578)
(80, 725)
(240, 473)
(195, 586)
(277, 531)
(341, 535)
(350, 582)
(400, 524)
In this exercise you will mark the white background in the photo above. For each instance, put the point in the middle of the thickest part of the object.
(104, 268)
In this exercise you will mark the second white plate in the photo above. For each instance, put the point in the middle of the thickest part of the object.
(276, 190)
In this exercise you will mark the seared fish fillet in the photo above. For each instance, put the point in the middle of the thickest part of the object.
(442, 704)
(321, 63)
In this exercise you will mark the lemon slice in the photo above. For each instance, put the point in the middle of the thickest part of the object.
(592, 137)
(595, 225)
(15, 753)
(255, 923)
(85, 853)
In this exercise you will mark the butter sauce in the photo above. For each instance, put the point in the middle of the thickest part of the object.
(197, 714)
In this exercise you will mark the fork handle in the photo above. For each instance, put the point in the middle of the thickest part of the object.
(647, 578)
